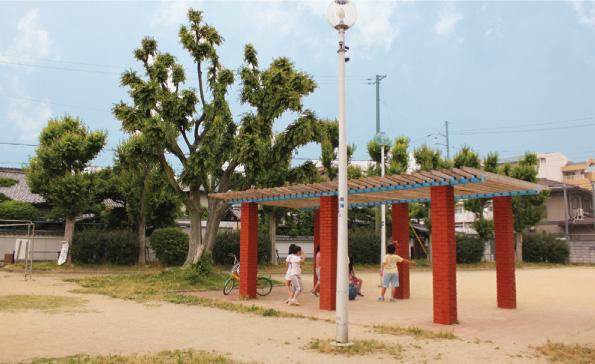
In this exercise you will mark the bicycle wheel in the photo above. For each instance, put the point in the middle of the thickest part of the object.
(230, 283)
(264, 286)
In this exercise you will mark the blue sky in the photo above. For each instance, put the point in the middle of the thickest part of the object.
(508, 76)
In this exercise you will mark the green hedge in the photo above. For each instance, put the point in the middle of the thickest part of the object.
(228, 241)
(170, 245)
(364, 246)
(105, 246)
(469, 249)
(544, 248)
(17, 210)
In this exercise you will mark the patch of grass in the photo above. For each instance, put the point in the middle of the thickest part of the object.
(144, 287)
(169, 286)
(356, 347)
(416, 332)
(164, 357)
(39, 302)
(51, 266)
(569, 354)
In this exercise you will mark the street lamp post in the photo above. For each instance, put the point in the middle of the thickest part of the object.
(383, 141)
(341, 14)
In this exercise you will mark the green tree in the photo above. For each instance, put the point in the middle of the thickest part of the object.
(138, 182)
(396, 157)
(528, 210)
(59, 173)
(196, 127)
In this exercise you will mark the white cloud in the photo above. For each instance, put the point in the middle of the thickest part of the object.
(585, 12)
(29, 118)
(448, 19)
(173, 12)
(376, 24)
(31, 40)
(494, 29)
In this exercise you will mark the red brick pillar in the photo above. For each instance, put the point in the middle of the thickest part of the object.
(504, 234)
(316, 217)
(248, 249)
(328, 252)
(444, 277)
(400, 234)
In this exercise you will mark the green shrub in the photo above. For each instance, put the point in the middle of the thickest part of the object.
(544, 248)
(170, 245)
(95, 246)
(469, 249)
(228, 242)
(17, 210)
(364, 246)
(204, 267)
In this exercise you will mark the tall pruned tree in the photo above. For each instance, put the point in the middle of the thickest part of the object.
(139, 181)
(59, 171)
(267, 156)
(195, 126)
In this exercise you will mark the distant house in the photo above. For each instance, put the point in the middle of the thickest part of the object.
(19, 191)
(578, 207)
(580, 174)
(550, 165)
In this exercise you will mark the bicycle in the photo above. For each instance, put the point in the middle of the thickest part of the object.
(264, 285)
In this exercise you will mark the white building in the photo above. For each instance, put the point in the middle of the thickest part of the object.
(550, 165)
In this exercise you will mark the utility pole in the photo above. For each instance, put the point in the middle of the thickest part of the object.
(447, 140)
(376, 81)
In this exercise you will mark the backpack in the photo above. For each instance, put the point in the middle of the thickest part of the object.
(352, 292)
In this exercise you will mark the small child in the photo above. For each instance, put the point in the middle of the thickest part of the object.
(295, 271)
(316, 288)
(390, 273)
(287, 275)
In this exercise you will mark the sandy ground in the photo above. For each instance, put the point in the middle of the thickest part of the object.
(553, 303)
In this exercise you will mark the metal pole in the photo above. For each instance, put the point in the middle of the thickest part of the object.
(382, 214)
(377, 104)
(565, 211)
(342, 297)
(447, 140)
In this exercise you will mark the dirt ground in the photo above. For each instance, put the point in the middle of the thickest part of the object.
(556, 304)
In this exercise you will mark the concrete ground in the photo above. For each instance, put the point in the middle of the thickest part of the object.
(554, 304)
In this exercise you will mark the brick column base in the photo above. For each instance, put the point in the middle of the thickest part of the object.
(400, 233)
(504, 240)
(316, 217)
(444, 262)
(248, 249)
(328, 252)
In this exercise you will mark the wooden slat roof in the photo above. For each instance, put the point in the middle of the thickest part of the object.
(468, 183)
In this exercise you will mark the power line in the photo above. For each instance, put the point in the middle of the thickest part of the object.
(524, 124)
(59, 68)
(51, 102)
(526, 130)
(59, 61)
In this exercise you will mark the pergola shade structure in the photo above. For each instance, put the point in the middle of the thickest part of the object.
(439, 187)
(468, 183)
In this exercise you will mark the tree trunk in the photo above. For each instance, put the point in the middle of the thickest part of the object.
(142, 240)
(142, 223)
(68, 233)
(217, 209)
(519, 247)
(273, 237)
(195, 243)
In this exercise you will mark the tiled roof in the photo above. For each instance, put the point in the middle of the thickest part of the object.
(19, 191)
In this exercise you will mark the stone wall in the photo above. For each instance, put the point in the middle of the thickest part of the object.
(582, 252)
